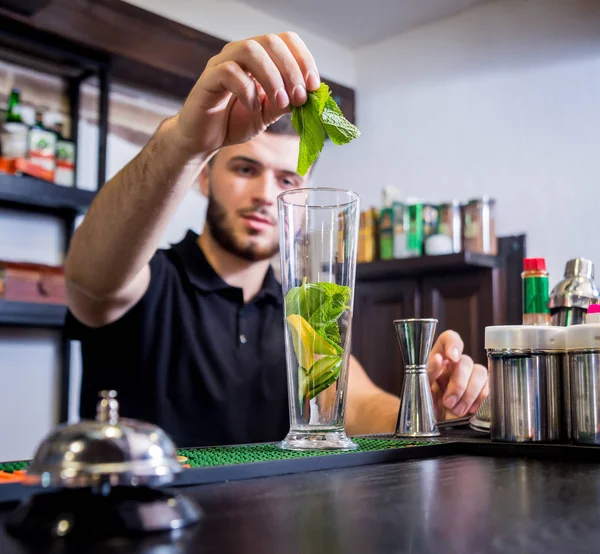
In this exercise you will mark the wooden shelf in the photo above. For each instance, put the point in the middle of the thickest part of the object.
(31, 314)
(39, 195)
(411, 267)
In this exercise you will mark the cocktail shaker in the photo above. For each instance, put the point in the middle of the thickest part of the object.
(571, 297)
(525, 368)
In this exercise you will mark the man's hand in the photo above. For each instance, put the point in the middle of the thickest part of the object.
(245, 88)
(459, 386)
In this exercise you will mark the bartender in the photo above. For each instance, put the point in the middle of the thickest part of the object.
(192, 336)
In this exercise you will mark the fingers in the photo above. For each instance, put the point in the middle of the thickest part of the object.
(229, 76)
(482, 396)
(447, 348)
(460, 374)
(435, 367)
(281, 64)
(305, 60)
(467, 381)
(287, 65)
(449, 345)
(252, 57)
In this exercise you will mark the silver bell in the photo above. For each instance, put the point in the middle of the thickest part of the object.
(108, 450)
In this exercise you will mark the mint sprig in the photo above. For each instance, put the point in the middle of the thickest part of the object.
(316, 309)
(321, 304)
(320, 114)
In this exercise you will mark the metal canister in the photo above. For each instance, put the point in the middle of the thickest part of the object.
(430, 220)
(583, 350)
(479, 226)
(450, 223)
(525, 367)
(415, 228)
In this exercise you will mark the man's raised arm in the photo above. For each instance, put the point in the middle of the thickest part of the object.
(242, 90)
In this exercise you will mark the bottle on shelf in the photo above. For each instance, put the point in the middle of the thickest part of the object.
(386, 234)
(14, 134)
(41, 157)
(415, 227)
(536, 292)
(367, 236)
(13, 112)
(64, 173)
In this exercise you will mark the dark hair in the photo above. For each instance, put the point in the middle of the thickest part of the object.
(283, 126)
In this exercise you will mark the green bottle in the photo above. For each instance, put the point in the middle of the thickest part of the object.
(13, 113)
(536, 292)
(415, 228)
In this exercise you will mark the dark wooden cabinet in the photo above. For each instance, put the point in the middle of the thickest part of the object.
(376, 346)
(465, 292)
(466, 302)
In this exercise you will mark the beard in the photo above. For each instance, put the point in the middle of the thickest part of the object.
(224, 234)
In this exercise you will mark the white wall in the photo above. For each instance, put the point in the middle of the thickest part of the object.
(503, 100)
(235, 21)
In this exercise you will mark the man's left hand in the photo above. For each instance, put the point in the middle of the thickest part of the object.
(459, 385)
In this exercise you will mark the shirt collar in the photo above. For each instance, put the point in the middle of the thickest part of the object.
(203, 276)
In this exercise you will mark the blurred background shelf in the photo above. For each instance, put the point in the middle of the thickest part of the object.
(383, 269)
(36, 194)
(31, 314)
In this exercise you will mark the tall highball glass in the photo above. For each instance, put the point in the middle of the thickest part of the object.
(318, 235)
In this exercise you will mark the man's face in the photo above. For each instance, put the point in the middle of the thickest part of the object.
(242, 185)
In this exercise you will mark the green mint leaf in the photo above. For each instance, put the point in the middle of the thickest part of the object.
(331, 331)
(321, 305)
(304, 300)
(332, 289)
(295, 302)
(318, 115)
(325, 320)
(320, 97)
(306, 120)
(338, 128)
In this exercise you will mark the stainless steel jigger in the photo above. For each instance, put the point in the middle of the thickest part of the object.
(417, 415)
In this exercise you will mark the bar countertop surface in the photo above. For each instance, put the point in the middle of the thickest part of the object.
(455, 504)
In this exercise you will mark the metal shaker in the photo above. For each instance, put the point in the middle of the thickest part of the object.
(583, 350)
(525, 370)
(571, 297)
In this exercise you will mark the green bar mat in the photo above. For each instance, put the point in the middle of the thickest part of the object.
(211, 456)
(252, 453)
(10, 467)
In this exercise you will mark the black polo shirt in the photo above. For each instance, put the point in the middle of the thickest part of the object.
(191, 356)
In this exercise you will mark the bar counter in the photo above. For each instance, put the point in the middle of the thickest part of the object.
(470, 496)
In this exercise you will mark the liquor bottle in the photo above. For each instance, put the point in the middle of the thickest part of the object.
(65, 163)
(64, 174)
(13, 113)
(415, 227)
(386, 234)
(536, 292)
(367, 236)
(42, 149)
(14, 133)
